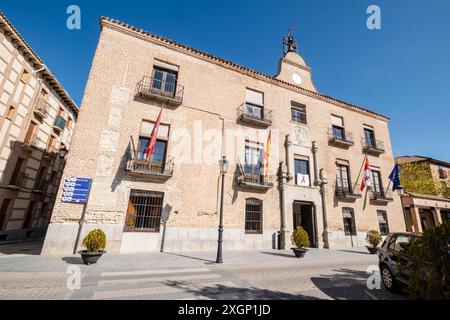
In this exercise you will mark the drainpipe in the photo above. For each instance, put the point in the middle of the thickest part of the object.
(316, 173)
(323, 193)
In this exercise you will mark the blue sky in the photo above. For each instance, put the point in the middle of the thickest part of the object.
(402, 70)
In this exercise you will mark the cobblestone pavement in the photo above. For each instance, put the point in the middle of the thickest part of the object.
(322, 274)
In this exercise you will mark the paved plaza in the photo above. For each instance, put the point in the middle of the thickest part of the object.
(268, 274)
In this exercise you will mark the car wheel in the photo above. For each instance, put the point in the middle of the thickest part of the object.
(388, 279)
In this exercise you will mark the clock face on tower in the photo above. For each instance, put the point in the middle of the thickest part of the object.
(296, 78)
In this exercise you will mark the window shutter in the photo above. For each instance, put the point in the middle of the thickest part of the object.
(254, 97)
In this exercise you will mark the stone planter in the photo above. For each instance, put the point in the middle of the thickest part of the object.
(90, 258)
(372, 250)
(299, 252)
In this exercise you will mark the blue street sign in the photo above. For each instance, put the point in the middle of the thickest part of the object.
(76, 190)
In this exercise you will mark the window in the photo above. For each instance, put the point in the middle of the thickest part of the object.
(369, 137)
(383, 222)
(253, 216)
(24, 76)
(253, 168)
(401, 243)
(144, 211)
(51, 144)
(376, 184)
(343, 178)
(10, 112)
(4, 213)
(301, 166)
(69, 123)
(158, 158)
(338, 127)
(298, 112)
(30, 133)
(442, 173)
(254, 104)
(349, 221)
(27, 223)
(164, 80)
(16, 176)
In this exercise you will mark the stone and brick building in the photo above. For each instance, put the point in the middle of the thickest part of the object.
(37, 119)
(211, 108)
(426, 202)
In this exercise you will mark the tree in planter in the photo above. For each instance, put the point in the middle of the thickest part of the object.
(300, 238)
(95, 241)
(427, 262)
(373, 237)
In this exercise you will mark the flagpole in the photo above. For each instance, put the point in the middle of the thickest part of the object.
(359, 174)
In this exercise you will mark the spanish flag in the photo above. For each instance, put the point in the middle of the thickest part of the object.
(267, 153)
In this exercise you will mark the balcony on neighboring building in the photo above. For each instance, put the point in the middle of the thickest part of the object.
(254, 181)
(160, 170)
(165, 91)
(340, 138)
(381, 197)
(59, 124)
(346, 194)
(41, 108)
(18, 181)
(258, 117)
(374, 147)
(32, 141)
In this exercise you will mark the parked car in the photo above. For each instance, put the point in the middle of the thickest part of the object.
(389, 255)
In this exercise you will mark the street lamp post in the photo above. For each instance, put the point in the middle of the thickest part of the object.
(223, 169)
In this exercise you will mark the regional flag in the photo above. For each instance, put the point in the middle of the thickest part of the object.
(267, 154)
(366, 177)
(152, 142)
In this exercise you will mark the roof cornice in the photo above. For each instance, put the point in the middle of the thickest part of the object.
(171, 44)
(47, 75)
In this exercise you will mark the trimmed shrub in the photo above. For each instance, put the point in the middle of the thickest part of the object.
(373, 237)
(300, 238)
(95, 241)
(427, 262)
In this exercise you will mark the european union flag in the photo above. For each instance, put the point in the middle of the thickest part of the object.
(395, 178)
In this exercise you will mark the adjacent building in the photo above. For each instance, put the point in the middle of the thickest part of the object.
(37, 119)
(426, 202)
(210, 108)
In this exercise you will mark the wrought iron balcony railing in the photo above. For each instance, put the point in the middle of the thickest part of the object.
(253, 178)
(381, 196)
(346, 193)
(375, 147)
(261, 119)
(151, 88)
(41, 108)
(41, 186)
(137, 165)
(343, 138)
(59, 124)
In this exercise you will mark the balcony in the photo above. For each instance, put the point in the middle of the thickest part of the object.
(381, 197)
(18, 181)
(152, 169)
(41, 108)
(59, 124)
(374, 147)
(51, 152)
(344, 139)
(254, 182)
(346, 194)
(33, 142)
(262, 119)
(169, 92)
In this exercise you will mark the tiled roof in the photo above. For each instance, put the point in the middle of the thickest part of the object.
(426, 196)
(409, 159)
(38, 63)
(237, 67)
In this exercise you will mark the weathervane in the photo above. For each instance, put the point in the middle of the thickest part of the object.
(289, 42)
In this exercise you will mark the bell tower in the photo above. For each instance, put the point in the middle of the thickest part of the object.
(292, 67)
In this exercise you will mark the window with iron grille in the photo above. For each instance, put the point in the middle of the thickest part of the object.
(383, 222)
(4, 213)
(253, 216)
(144, 211)
(349, 221)
(298, 112)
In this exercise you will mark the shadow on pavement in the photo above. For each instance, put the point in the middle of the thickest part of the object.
(346, 284)
(353, 251)
(286, 255)
(189, 257)
(73, 260)
(221, 292)
(24, 248)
